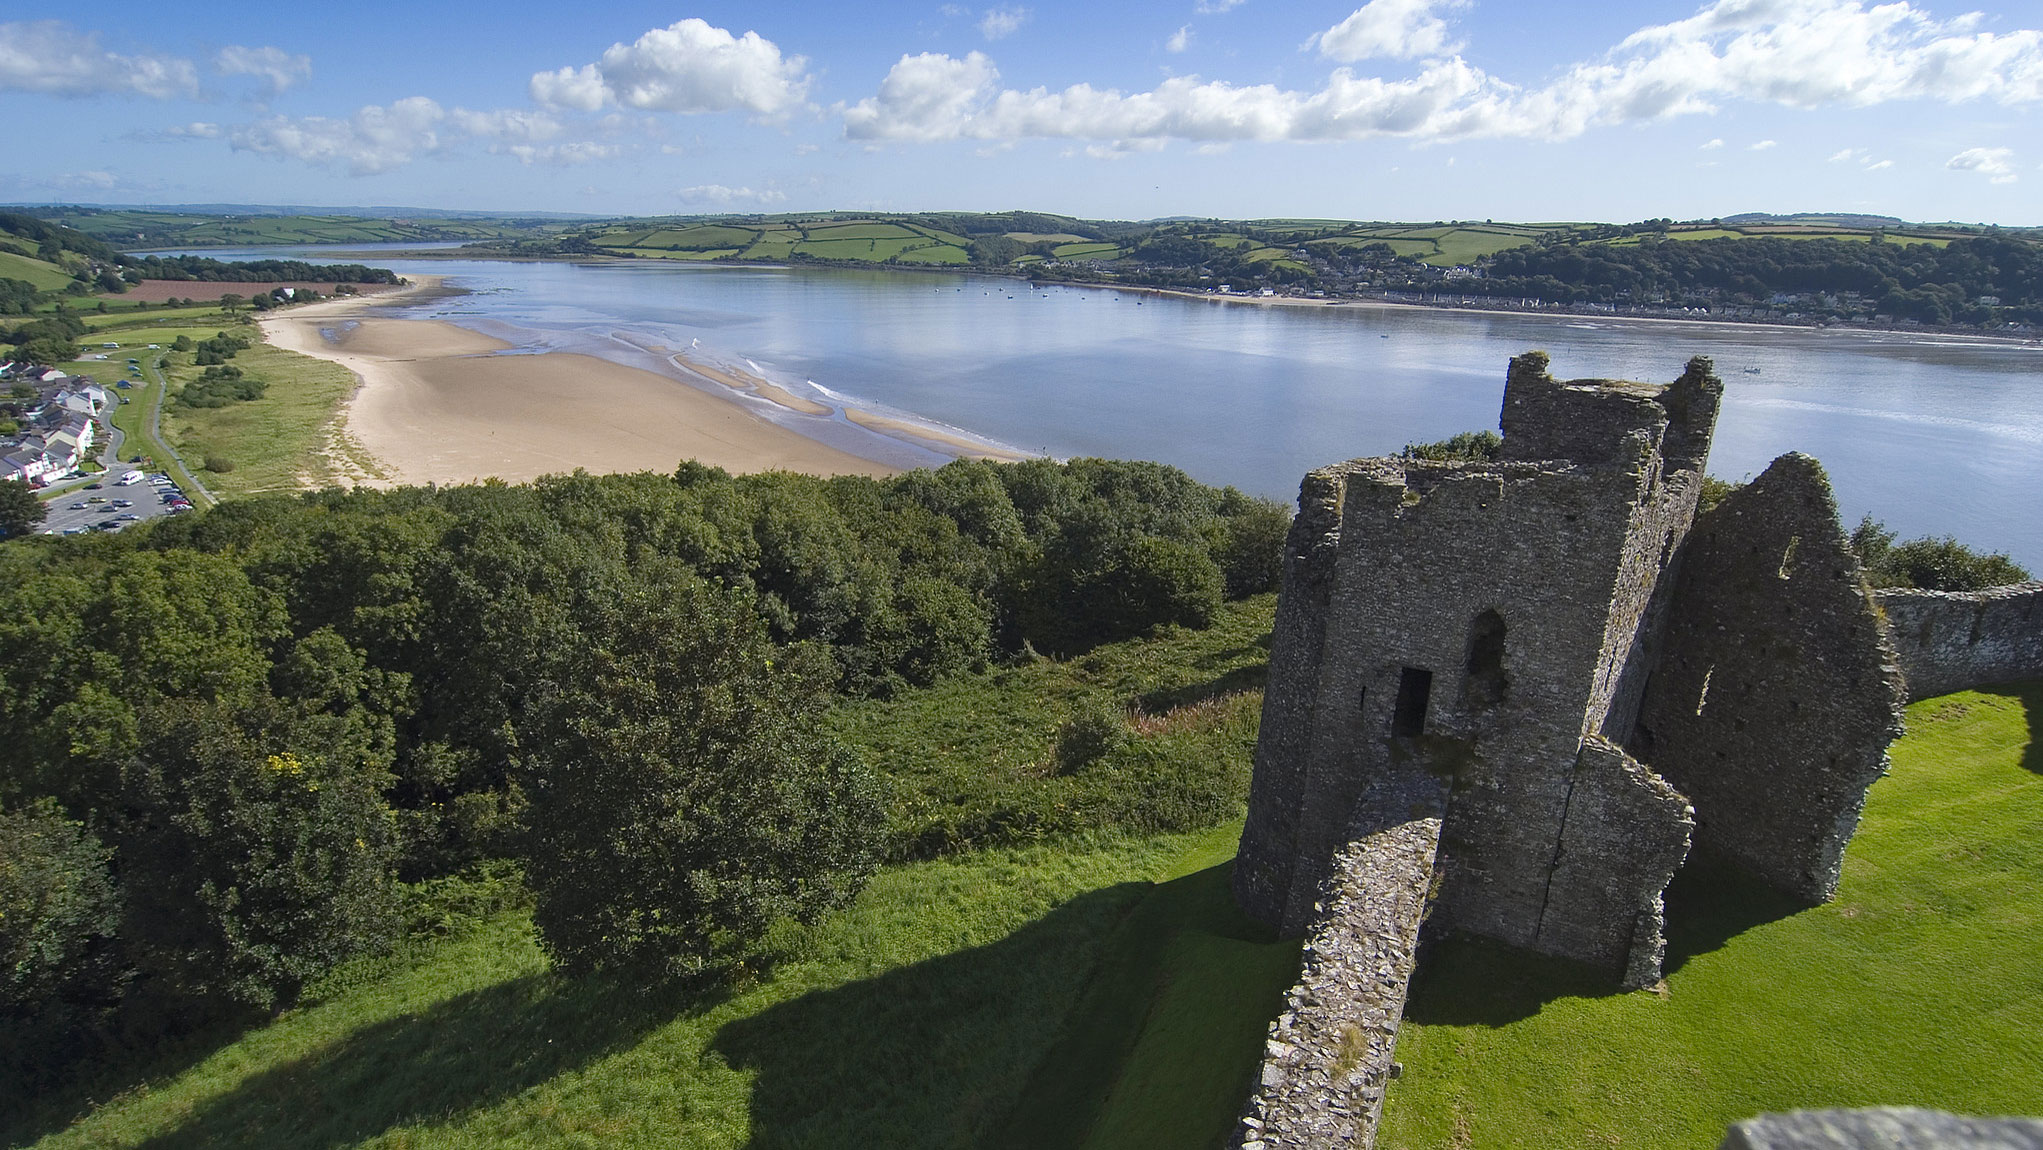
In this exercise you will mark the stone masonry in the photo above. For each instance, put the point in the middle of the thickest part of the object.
(1951, 640)
(1518, 637)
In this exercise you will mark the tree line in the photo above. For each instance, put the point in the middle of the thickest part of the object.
(231, 743)
(1926, 282)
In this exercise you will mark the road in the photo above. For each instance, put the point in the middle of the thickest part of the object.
(170, 459)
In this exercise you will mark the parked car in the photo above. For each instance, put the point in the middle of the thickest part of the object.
(95, 498)
(128, 518)
(79, 506)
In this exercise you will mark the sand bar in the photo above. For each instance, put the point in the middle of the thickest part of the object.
(958, 445)
(746, 382)
(437, 405)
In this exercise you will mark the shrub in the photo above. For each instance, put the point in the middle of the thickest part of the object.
(219, 464)
(1089, 735)
(1930, 564)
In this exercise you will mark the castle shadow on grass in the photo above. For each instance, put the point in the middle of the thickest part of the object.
(462, 1055)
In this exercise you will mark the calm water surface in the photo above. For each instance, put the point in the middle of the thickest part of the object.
(1932, 435)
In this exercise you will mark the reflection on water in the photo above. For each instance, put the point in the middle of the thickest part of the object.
(1931, 434)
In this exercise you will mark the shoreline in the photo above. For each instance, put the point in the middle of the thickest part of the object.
(2019, 341)
(439, 403)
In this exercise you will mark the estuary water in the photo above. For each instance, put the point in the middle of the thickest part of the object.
(1932, 434)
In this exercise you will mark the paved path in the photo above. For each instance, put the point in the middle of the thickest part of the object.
(173, 461)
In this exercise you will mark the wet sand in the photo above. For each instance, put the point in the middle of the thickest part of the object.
(438, 404)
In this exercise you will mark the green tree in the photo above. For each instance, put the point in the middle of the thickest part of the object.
(20, 511)
(58, 915)
(682, 797)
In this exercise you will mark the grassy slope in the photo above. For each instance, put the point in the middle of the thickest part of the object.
(1104, 993)
(913, 1019)
(1920, 985)
(45, 276)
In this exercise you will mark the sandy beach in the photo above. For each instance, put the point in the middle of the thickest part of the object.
(439, 404)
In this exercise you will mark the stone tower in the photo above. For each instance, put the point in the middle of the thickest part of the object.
(1506, 694)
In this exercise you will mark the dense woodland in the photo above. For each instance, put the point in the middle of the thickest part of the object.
(1925, 282)
(235, 748)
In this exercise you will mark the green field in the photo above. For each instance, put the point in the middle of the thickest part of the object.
(138, 229)
(1919, 986)
(45, 276)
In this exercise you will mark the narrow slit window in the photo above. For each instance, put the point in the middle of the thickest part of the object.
(1414, 691)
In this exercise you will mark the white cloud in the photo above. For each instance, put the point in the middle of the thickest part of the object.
(723, 196)
(560, 155)
(1395, 28)
(93, 181)
(1803, 53)
(196, 130)
(1002, 22)
(1179, 40)
(1841, 156)
(1712, 145)
(280, 68)
(1989, 162)
(1215, 7)
(51, 57)
(1764, 146)
(508, 125)
(1874, 167)
(373, 140)
(690, 66)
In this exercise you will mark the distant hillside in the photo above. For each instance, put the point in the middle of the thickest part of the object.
(137, 228)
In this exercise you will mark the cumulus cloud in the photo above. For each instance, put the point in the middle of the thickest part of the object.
(1179, 40)
(1802, 53)
(375, 139)
(1712, 145)
(1990, 162)
(1215, 7)
(689, 66)
(1764, 146)
(196, 130)
(52, 57)
(280, 69)
(723, 196)
(1397, 28)
(1001, 22)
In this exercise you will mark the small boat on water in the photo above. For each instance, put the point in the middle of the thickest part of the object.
(1751, 371)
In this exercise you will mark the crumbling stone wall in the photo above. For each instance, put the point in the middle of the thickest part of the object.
(1778, 694)
(1584, 675)
(1882, 1128)
(1507, 603)
(1953, 640)
(1328, 1058)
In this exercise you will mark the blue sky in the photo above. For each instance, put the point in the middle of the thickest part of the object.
(1393, 109)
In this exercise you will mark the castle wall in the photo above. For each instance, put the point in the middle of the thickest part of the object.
(1953, 640)
(1269, 842)
(1328, 1058)
(1774, 704)
(1624, 835)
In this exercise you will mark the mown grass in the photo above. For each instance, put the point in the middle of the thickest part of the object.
(920, 1016)
(1920, 985)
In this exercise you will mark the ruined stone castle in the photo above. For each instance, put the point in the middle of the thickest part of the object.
(1507, 698)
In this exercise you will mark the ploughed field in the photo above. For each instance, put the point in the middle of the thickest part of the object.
(1097, 988)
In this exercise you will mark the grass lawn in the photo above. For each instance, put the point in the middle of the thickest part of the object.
(1921, 985)
(951, 998)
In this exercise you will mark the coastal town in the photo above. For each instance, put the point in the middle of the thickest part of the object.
(59, 438)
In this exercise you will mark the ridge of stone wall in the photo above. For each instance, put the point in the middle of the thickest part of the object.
(1954, 640)
(1778, 694)
(1328, 1058)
